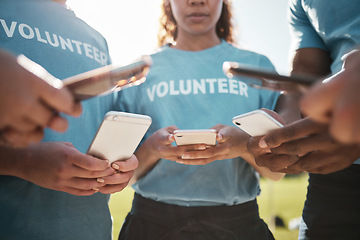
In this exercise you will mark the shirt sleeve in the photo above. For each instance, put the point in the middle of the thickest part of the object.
(302, 32)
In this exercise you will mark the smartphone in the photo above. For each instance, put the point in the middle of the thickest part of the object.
(260, 78)
(119, 135)
(195, 136)
(107, 79)
(256, 123)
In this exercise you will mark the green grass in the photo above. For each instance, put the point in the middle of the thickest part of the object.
(284, 198)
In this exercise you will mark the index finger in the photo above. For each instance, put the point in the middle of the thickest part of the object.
(253, 147)
(296, 130)
(166, 135)
(59, 99)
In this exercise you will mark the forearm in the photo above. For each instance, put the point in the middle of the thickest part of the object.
(11, 161)
(288, 107)
(311, 61)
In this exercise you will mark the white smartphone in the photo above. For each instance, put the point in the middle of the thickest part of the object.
(119, 135)
(109, 78)
(195, 136)
(256, 123)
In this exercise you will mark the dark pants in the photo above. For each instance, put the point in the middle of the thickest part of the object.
(332, 206)
(149, 219)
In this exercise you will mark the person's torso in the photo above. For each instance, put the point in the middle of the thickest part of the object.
(51, 35)
(190, 90)
(337, 23)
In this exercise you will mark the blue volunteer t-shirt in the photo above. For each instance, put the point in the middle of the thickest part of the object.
(51, 35)
(331, 25)
(190, 90)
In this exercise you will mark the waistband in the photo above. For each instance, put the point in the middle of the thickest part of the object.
(349, 176)
(159, 211)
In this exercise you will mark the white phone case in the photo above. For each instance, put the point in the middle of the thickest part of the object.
(195, 136)
(119, 135)
(256, 123)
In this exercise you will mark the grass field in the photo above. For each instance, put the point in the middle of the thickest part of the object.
(284, 198)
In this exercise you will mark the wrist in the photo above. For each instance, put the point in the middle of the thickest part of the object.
(12, 162)
(152, 151)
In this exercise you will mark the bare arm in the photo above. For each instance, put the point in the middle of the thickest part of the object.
(308, 61)
(311, 61)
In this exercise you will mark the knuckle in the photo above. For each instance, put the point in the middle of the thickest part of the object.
(290, 133)
(304, 166)
(59, 185)
(93, 174)
(60, 172)
(292, 148)
(90, 185)
(275, 168)
(27, 106)
(272, 139)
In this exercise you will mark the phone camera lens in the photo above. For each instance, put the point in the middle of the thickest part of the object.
(237, 123)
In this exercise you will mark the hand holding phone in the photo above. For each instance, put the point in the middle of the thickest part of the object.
(195, 136)
(119, 135)
(256, 123)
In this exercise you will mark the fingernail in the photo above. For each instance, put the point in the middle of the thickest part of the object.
(115, 166)
(100, 180)
(109, 163)
(181, 162)
(263, 144)
(96, 190)
(267, 150)
(185, 156)
(201, 147)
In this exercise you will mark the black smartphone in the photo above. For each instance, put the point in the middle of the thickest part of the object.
(259, 78)
(109, 78)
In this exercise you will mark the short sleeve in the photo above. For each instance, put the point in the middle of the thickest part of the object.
(302, 32)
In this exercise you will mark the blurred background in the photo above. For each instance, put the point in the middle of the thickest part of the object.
(130, 28)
